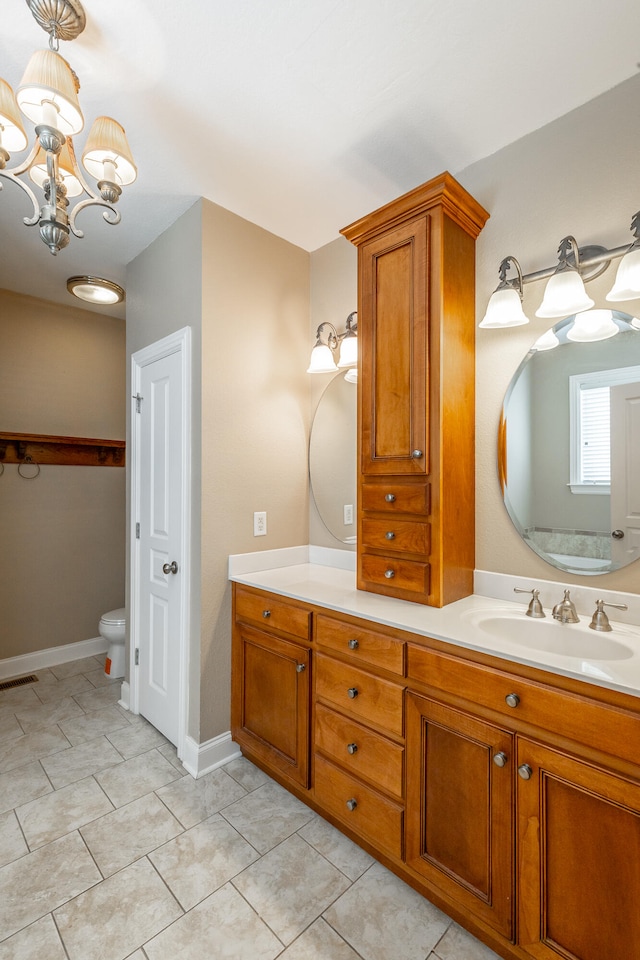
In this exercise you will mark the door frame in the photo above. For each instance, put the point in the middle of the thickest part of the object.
(178, 342)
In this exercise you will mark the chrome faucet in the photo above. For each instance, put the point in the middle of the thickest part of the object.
(599, 620)
(565, 611)
(535, 607)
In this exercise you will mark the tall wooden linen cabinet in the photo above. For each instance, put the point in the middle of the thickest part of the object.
(416, 409)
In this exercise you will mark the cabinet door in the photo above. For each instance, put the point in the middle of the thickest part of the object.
(271, 698)
(392, 332)
(459, 808)
(578, 859)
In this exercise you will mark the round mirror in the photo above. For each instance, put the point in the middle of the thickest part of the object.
(332, 458)
(569, 444)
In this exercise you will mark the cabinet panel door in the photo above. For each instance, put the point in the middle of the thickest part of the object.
(459, 808)
(392, 330)
(579, 859)
(272, 701)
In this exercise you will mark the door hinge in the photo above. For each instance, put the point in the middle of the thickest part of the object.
(137, 659)
(138, 399)
(137, 531)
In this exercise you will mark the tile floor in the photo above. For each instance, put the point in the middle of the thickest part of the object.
(108, 850)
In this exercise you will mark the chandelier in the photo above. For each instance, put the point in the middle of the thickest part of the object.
(48, 96)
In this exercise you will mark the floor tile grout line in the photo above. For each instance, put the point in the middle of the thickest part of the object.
(253, 909)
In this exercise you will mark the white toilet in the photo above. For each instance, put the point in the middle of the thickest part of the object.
(112, 628)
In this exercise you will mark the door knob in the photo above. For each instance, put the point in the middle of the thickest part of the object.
(618, 534)
(500, 759)
(525, 771)
(170, 567)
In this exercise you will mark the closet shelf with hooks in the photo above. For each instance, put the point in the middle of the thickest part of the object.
(65, 451)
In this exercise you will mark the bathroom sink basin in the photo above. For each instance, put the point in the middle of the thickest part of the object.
(565, 639)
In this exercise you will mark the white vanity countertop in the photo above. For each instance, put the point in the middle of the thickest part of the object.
(606, 659)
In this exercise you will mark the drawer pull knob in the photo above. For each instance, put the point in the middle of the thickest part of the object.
(416, 454)
(352, 748)
(525, 771)
(390, 497)
(352, 693)
(512, 700)
(390, 535)
(301, 667)
(500, 759)
(352, 803)
(353, 644)
(266, 614)
(389, 574)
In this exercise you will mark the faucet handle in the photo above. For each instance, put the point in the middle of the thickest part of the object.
(535, 607)
(599, 620)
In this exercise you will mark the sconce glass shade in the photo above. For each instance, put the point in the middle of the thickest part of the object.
(504, 309)
(321, 360)
(548, 341)
(49, 93)
(12, 135)
(348, 352)
(351, 376)
(627, 285)
(564, 294)
(592, 325)
(107, 155)
(38, 170)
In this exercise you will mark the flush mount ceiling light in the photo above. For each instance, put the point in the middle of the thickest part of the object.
(48, 96)
(328, 341)
(95, 290)
(565, 292)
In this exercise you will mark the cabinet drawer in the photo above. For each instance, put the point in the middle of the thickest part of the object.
(403, 535)
(369, 813)
(606, 728)
(359, 750)
(406, 575)
(272, 614)
(360, 694)
(366, 646)
(394, 497)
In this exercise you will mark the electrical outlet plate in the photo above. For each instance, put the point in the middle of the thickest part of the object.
(260, 523)
(347, 511)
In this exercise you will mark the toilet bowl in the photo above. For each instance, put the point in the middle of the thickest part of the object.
(112, 627)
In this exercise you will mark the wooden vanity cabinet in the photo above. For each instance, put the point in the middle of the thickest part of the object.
(578, 857)
(271, 682)
(359, 730)
(459, 833)
(416, 330)
(555, 825)
(507, 795)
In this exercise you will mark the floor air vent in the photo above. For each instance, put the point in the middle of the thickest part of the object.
(9, 684)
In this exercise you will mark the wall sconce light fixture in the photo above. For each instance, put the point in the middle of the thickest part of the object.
(328, 341)
(565, 292)
(48, 96)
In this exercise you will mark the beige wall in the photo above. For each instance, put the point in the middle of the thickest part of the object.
(578, 175)
(255, 420)
(62, 558)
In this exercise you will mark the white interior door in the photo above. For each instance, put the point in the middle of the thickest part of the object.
(625, 473)
(159, 594)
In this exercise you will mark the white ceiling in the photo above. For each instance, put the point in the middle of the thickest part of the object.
(303, 115)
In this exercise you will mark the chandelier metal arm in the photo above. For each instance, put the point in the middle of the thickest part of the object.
(111, 215)
(13, 175)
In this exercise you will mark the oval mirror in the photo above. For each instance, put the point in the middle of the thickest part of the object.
(332, 458)
(569, 444)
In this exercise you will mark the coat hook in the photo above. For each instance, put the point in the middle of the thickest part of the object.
(29, 462)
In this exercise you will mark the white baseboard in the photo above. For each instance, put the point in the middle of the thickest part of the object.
(125, 695)
(39, 659)
(201, 758)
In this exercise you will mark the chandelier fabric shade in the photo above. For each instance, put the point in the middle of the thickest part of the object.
(12, 134)
(107, 145)
(48, 93)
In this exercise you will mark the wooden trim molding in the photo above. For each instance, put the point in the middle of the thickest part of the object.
(65, 451)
